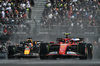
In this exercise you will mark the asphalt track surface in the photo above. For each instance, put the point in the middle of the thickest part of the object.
(59, 62)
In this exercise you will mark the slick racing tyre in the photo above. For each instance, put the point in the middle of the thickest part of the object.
(11, 51)
(85, 50)
(90, 51)
(44, 49)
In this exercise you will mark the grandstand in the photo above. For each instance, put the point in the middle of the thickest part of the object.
(74, 16)
(78, 17)
(46, 18)
(13, 16)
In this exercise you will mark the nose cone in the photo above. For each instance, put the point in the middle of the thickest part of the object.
(27, 51)
(63, 48)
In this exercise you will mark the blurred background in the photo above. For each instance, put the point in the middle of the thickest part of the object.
(46, 20)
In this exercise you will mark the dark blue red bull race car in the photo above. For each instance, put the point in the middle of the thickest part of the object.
(66, 48)
(25, 49)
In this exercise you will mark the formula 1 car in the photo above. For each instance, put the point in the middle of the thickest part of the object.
(25, 49)
(3, 51)
(66, 48)
(3, 46)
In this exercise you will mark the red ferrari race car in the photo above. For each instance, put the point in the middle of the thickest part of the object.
(66, 48)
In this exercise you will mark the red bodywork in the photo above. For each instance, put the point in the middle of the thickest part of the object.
(64, 43)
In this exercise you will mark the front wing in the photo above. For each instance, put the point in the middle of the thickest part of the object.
(73, 54)
(22, 55)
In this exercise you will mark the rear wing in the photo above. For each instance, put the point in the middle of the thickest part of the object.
(29, 38)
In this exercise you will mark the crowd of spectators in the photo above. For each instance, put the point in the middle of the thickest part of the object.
(72, 13)
(13, 14)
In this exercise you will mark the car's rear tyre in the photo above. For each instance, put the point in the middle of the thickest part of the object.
(85, 50)
(43, 57)
(11, 51)
(81, 49)
(90, 51)
(44, 49)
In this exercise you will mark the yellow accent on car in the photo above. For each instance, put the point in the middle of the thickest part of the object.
(35, 42)
(31, 44)
(26, 52)
(63, 46)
